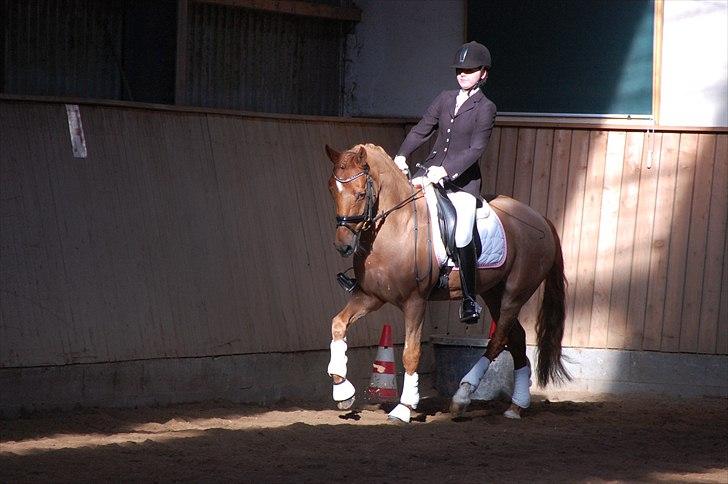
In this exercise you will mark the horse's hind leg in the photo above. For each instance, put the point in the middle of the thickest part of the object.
(505, 311)
(521, 397)
(357, 307)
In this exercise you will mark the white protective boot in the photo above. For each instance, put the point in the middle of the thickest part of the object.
(408, 400)
(468, 385)
(521, 392)
(343, 392)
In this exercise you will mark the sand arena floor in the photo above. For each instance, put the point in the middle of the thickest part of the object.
(582, 439)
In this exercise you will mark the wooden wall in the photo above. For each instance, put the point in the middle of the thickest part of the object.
(187, 234)
(180, 235)
(643, 235)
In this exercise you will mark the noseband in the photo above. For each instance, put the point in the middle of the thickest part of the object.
(368, 215)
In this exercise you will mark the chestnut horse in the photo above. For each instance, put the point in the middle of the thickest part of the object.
(382, 220)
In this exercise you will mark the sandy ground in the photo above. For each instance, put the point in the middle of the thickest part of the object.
(582, 439)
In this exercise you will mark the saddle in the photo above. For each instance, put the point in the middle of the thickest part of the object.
(447, 220)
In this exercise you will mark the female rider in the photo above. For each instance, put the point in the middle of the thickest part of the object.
(464, 120)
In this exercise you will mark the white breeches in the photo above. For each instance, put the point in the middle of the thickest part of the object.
(465, 207)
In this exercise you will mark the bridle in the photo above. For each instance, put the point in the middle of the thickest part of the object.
(368, 216)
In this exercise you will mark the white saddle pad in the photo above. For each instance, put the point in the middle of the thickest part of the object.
(492, 235)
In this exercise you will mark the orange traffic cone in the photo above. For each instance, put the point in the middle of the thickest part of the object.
(383, 384)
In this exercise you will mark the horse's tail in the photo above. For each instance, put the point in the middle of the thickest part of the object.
(551, 316)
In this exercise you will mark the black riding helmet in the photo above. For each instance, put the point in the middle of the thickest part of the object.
(471, 56)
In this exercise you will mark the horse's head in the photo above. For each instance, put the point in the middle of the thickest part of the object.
(352, 188)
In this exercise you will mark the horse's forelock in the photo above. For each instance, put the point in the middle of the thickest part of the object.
(377, 157)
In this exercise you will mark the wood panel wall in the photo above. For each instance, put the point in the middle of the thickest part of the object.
(186, 234)
(180, 235)
(643, 219)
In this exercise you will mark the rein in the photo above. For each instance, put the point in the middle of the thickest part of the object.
(368, 216)
(370, 219)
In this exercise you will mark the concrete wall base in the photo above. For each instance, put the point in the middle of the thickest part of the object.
(251, 378)
(600, 371)
(267, 378)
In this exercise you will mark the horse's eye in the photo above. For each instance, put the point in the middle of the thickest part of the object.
(360, 195)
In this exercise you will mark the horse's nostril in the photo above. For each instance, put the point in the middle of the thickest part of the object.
(345, 250)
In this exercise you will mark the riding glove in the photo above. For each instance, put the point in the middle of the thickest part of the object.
(401, 163)
(435, 174)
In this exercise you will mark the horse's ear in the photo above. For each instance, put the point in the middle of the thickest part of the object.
(361, 157)
(333, 154)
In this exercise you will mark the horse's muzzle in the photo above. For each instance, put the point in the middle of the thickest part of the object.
(346, 242)
(345, 250)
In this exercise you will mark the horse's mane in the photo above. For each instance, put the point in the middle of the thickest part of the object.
(378, 159)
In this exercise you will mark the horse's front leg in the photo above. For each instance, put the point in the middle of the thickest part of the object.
(357, 307)
(414, 317)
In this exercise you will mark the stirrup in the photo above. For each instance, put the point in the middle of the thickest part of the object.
(472, 316)
(348, 283)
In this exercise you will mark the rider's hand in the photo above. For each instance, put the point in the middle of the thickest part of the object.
(435, 174)
(401, 163)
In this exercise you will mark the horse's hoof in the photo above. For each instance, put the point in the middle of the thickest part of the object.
(514, 412)
(457, 410)
(400, 414)
(511, 414)
(461, 399)
(395, 421)
(346, 404)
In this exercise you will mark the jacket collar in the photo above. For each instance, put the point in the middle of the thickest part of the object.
(469, 103)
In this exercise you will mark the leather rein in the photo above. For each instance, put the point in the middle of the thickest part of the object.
(368, 216)
(370, 219)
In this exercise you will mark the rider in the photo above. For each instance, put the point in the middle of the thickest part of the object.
(463, 120)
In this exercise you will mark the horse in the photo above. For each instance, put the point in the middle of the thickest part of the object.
(382, 221)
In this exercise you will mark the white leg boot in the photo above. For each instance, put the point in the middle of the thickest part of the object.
(468, 385)
(409, 399)
(343, 393)
(521, 392)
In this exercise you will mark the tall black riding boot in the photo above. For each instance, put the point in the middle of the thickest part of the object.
(470, 310)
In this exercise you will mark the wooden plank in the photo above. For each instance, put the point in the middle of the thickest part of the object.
(228, 140)
(507, 161)
(606, 242)
(680, 228)
(538, 200)
(524, 165)
(584, 293)
(713, 334)
(660, 244)
(34, 314)
(578, 164)
(697, 244)
(722, 346)
(626, 240)
(640, 273)
(559, 179)
(541, 170)
(489, 163)
(79, 267)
